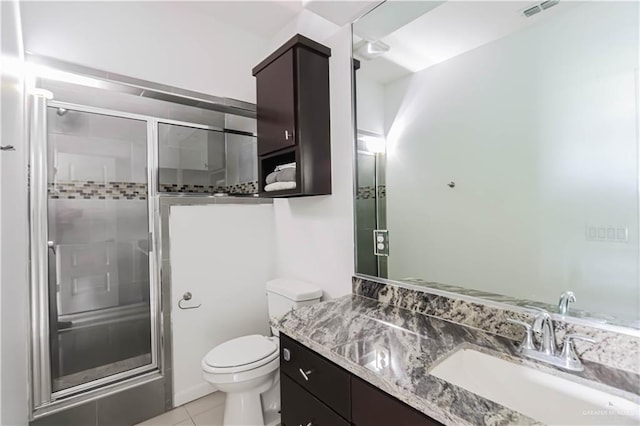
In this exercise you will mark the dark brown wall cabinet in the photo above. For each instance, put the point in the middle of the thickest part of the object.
(293, 116)
(317, 392)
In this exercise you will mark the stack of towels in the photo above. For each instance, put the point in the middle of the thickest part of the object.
(283, 177)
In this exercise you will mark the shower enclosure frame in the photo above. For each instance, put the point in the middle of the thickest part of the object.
(42, 399)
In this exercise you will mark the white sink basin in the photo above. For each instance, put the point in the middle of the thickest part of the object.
(544, 397)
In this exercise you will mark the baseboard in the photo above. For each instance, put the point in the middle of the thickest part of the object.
(194, 392)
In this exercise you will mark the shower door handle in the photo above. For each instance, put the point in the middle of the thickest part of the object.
(52, 247)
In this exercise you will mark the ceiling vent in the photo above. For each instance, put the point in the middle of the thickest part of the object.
(537, 8)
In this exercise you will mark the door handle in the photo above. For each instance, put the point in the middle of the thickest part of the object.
(7, 148)
(52, 246)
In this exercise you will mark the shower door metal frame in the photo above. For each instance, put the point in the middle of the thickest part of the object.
(43, 400)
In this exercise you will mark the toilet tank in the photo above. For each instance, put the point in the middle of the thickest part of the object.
(284, 295)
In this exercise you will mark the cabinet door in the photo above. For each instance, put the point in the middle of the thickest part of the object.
(276, 105)
(299, 407)
(314, 373)
(372, 407)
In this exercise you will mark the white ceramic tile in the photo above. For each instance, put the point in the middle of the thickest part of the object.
(169, 418)
(212, 417)
(205, 403)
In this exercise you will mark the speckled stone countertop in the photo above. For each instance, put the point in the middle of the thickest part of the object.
(354, 331)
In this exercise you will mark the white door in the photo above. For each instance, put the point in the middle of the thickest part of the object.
(224, 255)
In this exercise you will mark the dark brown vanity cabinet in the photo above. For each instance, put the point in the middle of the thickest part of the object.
(317, 392)
(292, 87)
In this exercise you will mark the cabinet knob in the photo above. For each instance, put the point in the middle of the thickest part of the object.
(286, 354)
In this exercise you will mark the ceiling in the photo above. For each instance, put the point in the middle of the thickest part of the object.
(266, 18)
(440, 31)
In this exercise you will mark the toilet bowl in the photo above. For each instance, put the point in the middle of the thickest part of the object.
(247, 368)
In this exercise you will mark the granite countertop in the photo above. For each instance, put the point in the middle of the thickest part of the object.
(355, 331)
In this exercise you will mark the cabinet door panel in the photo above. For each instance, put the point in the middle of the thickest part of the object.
(299, 407)
(372, 407)
(316, 374)
(276, 105)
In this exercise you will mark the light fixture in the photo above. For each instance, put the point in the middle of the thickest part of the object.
(371, 49)
(372, 142)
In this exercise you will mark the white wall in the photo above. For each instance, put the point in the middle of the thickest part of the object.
(13, 230)
(223, 254)
(538, 130)
(371, 109)
(314, 235)
(164, 42)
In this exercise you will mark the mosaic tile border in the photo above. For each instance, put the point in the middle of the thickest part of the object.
(369, 192)
(190, 189)
(91, 190)
(243, 188)
(239, 188)
(618, 350)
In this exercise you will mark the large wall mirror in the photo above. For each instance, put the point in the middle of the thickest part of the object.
(498, 146)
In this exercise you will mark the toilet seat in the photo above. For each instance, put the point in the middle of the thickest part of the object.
(241, 354)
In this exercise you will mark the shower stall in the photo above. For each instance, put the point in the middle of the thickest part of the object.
(95, 310)
(99, 162)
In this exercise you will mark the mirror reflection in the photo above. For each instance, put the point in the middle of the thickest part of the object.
(498, 146)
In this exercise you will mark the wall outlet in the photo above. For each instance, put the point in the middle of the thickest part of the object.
(381, 242)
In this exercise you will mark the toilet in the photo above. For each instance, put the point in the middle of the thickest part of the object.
(247, 368)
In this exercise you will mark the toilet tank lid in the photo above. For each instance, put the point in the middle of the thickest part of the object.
(295, 290)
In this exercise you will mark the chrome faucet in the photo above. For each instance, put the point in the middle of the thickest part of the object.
(543, 325)
(546, 351)
(563, 304)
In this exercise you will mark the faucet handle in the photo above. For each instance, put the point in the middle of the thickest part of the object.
(527, 341)
(569, 338)
(568, 356)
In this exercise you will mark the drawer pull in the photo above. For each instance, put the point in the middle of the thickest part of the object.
(308, 424)
(305, 374)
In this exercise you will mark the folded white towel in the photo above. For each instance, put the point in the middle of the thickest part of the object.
(279, 186)
(285, 166)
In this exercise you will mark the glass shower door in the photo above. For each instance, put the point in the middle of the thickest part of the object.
(99, 264)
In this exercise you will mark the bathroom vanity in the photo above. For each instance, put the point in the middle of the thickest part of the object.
(354, 360)
(317, 391)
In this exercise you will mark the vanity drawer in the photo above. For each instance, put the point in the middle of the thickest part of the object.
(325, 380)
(299, 407)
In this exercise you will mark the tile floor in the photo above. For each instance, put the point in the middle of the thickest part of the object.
(206, 411)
